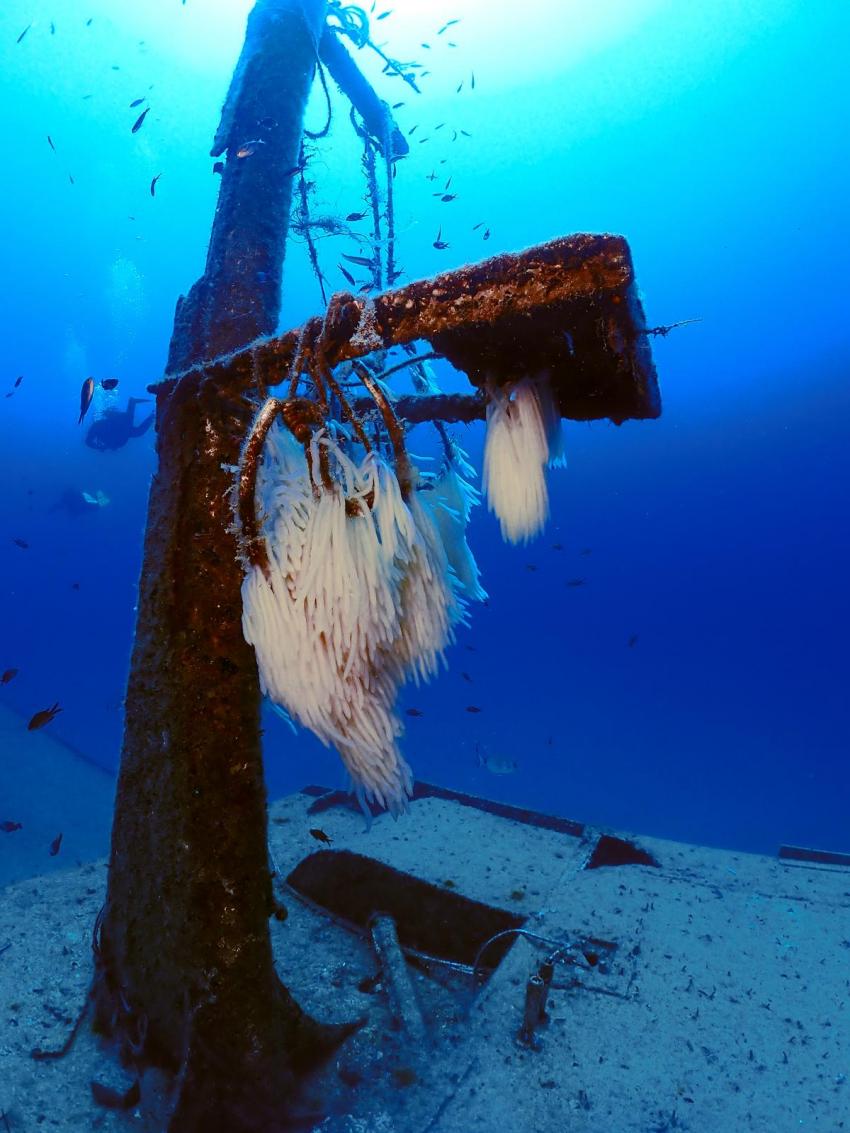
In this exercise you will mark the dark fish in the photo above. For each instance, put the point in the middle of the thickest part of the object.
(22, 544)
(109, 383)
(52, 28)
(575, 582)
(459, 87)
(363, 261)
(473, 708)
(472, 80)
(136, 102)
(448, 197)
(9, 827)
(218, 167)
(153, 184)
(347, 274)
(467, 677)
(633, 641)
(470, 649)
(466, 133)
(86, 394)
(137, 125)
(440, 245)
(23, 33)
(18, 381)
(75, 586)
(88, 21)
(396, 105)
(530, 566)
(413, 129)
(486, 234)
(446, 27)
(50, 142)
(557, 546)
(71, 179)
(414, 712)
(320, 836)
(55, 846)
(43, 717)
(585, 551)
(480, 224)
(384, 15)
(352, 216)
(431, 177)
(8, 675)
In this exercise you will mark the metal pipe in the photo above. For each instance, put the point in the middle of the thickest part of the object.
(396, 977)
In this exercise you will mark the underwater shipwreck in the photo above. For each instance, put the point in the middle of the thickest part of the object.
(473, 965)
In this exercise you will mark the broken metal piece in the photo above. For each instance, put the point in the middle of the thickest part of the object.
(533, 1012)
(396, 977)
(546, 971)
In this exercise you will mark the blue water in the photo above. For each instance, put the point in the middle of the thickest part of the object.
(712, 137)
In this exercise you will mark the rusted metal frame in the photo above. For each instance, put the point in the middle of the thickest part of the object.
(589, 275)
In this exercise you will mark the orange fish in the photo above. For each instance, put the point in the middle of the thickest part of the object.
(43, 717)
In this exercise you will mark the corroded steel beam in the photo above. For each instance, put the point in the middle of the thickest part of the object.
(569, 307)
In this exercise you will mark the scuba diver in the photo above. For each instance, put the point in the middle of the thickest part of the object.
(115, 427)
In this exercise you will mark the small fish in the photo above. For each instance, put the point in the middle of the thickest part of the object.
(531, 567)
(86, 394)
(18, 380)
(467, 677)
(480, 224)
(43, 717)
(470, 649)
(431, 177)
(320, 836)
(633, 640)
(495, 764)
(414, 712)
(137, 125)
(466, 133)
(459, 87)
(363, 261)
(557, 546)
(75, 586)
(71, 179)
(52, 28)
(8, 675)
(136, 102)
(218, 167)
(109, 383)
(50, 143)
(23, 33)
(486, 234)
(448, 197)
(413, 129)
(575, 582)
(22, 544)
(472, 80)
(347, 274)
(446, 27)
(55, 846)
(397, 105)
(248, 149)
(9, 827)
(89, 21)
(473, 708)
(585, 551)
(153, 184)
(352, 216)
(384, 15)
